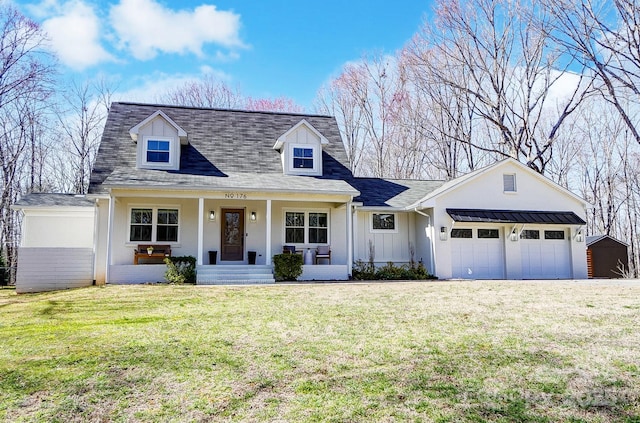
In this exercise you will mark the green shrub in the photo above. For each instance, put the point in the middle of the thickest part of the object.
(180, 269)
(363, 271)
(287, 267)
(389, 272)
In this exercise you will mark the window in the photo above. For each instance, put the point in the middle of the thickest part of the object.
(306, 227)
(553, 234)
(488, 233)
(294, 228)
(318, 228)
(167, 228)
(461, 233)
(158, 151)
(383, 222)
(303, 158)
(509, 181)
(141, 225)
(152, 224)
(530, 234)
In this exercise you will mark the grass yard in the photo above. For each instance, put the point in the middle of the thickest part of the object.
(422, 351)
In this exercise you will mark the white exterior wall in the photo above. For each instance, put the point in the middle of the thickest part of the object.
(101, 231)
(63, 227)
(389, 246)
(50, 269)
(485, 191)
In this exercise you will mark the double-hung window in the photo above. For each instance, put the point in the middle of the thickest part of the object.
(302, 158)
(158, 151)
(153, 224)
(311, 227)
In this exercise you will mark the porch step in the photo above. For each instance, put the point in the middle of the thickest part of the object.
(235, 275)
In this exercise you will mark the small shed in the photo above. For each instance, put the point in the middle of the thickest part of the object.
(607, 257)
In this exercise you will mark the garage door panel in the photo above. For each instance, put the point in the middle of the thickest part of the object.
(474, 258)
(545, 258)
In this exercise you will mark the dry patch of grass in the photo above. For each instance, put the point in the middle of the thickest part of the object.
(434, 351)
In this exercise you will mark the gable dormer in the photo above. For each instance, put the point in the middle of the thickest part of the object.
(301, 150)
(158, 140)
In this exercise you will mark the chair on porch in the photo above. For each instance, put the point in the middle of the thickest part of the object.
(288, 249)
(323, 252)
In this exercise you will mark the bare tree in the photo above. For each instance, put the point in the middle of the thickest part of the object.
(493, 53)
(81, 118)
(26, 71)
(604, 35)
(337, 99)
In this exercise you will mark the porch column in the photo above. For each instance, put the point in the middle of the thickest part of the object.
(349, 237)
(200, 230)
(267, 250)
(107, 271)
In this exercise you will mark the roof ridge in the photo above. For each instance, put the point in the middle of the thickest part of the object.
(221, 109)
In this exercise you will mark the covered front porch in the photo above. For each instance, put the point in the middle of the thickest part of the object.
(232, 235)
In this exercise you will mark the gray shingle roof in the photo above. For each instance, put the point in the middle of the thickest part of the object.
(221, 143)
(231, 149)
(50, 199)
(375, 192)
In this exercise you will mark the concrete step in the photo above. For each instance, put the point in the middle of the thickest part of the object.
(235, 274)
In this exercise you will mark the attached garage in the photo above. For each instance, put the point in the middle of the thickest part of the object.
(523, 244)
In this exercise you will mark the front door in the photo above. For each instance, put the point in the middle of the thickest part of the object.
(232, 235)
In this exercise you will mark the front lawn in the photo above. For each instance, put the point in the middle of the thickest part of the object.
(420, 351)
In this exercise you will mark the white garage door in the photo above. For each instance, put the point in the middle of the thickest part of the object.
(477, 253)
(545, 254)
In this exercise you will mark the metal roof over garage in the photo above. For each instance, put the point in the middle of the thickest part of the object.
(515, 216)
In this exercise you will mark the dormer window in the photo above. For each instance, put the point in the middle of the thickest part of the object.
(159, 139)
(301, 150)
(158, 151)
(302, 158)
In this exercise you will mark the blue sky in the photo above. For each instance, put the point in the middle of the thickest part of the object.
(264, 48)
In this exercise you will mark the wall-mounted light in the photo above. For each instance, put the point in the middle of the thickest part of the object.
(253, 217)
(579, 235)
(443, 233)
(514, 234)
(212, 215)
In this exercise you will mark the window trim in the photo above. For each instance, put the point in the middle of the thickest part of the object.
(317, 159)
(154, 222)
(173, 153)
(306, 226)
(384, 231)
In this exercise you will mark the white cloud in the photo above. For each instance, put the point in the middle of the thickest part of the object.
(75, 35)
(146, 28)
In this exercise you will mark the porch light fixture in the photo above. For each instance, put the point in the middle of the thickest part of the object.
(443, 233)
(514, 234)
(212, 215)
(579, 235)
(253, 217)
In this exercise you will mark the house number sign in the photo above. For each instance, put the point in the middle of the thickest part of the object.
(235, 195)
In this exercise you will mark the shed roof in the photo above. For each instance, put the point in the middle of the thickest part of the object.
(516, 216)
(594, 239)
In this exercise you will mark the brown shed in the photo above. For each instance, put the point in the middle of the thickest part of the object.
(606, 256)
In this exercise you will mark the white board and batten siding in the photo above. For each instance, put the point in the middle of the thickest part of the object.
(50, 269)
